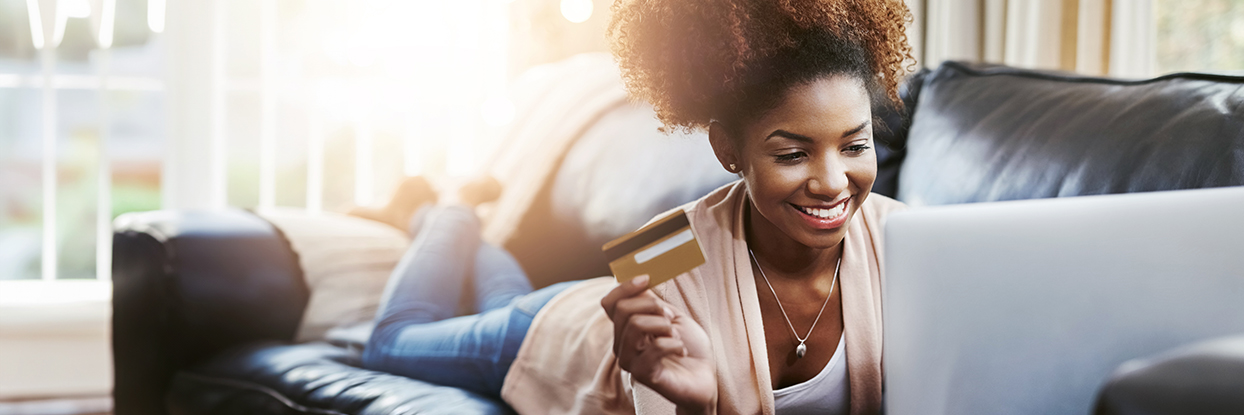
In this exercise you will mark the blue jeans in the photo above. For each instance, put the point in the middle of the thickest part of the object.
(417, 334)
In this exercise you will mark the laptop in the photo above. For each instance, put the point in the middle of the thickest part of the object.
(1027, 307)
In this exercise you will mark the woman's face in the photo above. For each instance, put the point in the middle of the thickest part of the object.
(808, 163)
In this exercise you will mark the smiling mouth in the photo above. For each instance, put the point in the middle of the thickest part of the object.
(825, 213)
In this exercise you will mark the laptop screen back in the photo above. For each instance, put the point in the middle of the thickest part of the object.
(1027, 307)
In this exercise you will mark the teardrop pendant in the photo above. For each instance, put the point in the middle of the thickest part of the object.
(801, 350)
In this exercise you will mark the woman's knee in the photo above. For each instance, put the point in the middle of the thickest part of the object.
(381, 342)
(458, 218)
(373, 353)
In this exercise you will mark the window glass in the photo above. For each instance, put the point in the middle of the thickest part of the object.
(136, 149)
(134, 130)
(338, 167)
(21, 205)
(292, 132)
(77, 181)
(1200, 36)
(242, 148)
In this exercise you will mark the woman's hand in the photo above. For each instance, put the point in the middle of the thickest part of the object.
(661, 347)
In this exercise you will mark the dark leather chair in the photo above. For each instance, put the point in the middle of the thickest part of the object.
(206, 303)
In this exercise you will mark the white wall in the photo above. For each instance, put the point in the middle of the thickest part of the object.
(55, 339)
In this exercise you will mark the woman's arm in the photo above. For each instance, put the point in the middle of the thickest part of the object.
(662, 347)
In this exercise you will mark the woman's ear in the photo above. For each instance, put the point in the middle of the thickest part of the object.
(723, 147)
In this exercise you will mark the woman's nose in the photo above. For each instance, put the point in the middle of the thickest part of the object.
(829, 178)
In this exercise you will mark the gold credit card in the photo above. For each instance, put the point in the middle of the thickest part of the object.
(663, 250)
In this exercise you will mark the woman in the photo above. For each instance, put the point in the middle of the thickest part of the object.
(785, 316)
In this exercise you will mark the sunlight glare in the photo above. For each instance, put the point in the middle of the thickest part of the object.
(36, 23)
(155, 15)
(498, 111)
(76, 9)
(108, 19)
(577, 11)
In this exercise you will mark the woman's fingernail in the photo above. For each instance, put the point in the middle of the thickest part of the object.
(668, 313)
(684, 352)
(640, 281)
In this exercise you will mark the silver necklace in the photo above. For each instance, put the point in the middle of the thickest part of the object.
(802, 349)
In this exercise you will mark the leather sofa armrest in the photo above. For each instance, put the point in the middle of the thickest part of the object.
(1204, 378)
(188, 284)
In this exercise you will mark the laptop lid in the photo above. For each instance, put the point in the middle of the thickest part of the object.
(1027, 307)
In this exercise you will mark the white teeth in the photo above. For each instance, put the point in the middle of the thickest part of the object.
(825, 213)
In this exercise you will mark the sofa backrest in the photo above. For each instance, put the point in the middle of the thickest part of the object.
(984, 133)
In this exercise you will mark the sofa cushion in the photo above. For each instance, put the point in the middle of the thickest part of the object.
(346, 262)
(311, 378)
(988, 133)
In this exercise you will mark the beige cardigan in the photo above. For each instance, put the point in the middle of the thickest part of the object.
(566, 363)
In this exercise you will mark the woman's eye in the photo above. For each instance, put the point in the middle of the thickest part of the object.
(858, 148)
(789, 157)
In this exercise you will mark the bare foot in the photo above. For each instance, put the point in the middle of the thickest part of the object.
(411, 194)
(479, 190)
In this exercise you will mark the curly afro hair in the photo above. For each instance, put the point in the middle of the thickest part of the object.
(697, 61)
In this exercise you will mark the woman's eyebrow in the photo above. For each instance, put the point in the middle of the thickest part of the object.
(806, 139)
(790, 135)
(856, 129)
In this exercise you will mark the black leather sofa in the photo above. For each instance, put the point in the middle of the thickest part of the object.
(206, 303)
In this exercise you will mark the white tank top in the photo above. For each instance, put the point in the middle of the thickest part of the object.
(829, 392)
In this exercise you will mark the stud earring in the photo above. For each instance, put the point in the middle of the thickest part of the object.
(733, 168)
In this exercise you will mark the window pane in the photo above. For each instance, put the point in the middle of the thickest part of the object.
(387, 161)
(77, 178)
(291, 152)
(242, 147)
(1200, 35)
(136, 149)
(20, 185)
(338, 168)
